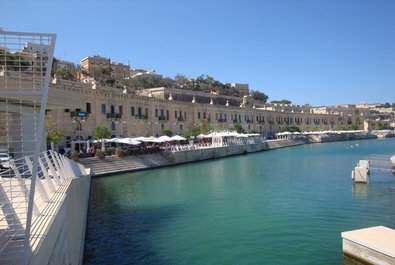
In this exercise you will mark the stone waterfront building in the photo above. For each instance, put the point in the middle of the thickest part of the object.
(152, 110)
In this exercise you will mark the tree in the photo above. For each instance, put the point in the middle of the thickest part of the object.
(64, 74)
(101, 132)
(257, 95)
(101, 73)
(167, 132)
(204, 126)
(283, 101)
(53, 134)
(239, 128)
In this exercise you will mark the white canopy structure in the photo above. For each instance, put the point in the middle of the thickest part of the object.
(129, 141)
(178, 138)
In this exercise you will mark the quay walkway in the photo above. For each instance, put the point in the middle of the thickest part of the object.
(113, 164)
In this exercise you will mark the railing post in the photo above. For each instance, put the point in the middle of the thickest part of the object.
(52, 168)
(58, 166)
(11, 216)
(46, 176)
(40, 186)
(23, 186)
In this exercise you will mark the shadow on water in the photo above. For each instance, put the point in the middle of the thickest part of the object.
(131, 227)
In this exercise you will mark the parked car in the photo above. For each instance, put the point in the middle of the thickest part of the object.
(5, 160)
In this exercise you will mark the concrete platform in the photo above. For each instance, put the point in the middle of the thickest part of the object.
(374, 245)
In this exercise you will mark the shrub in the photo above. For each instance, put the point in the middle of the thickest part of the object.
(100, 154)
(118, 152)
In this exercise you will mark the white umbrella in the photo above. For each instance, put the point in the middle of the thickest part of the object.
(128, 141)
(112, 140)
(200, 136)
(145, 139)
(164, 138)
(178, 138)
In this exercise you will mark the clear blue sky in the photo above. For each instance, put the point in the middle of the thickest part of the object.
(321, 52)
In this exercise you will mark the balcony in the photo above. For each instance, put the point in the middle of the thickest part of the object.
(141, 117)
(114, 116)
(249, 121)
(161, 118)
(180, 119)
(221, 120)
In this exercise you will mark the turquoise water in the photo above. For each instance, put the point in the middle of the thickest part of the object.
(285, 206)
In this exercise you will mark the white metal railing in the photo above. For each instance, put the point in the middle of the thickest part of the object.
(53, 170)
(25, 71)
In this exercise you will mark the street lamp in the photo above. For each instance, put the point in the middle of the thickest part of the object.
(78, 121)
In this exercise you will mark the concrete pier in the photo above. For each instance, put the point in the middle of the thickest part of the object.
(374, 245)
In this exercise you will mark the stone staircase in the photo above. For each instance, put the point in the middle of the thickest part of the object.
(113, 164)
(274, 144)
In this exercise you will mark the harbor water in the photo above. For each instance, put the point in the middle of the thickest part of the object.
(285, 206)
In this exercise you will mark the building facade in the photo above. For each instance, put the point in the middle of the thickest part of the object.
(131, 115)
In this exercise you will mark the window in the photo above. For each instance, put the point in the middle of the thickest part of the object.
(112, 109)
(175, 114)
(162, 113)
(132, 111)
(167, 114)
(68, 141)
(120, 108)
(156, 113)
(146, 113)
(204, 115)
(66, 110)
(88, 107)
(198, 115)
(139, 111)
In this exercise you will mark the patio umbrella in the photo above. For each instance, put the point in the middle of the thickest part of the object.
(178, 138)
(164, 138)
(128, 141)
(200, 136)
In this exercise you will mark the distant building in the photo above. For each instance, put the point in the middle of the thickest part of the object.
(93, 62)
(119, 70)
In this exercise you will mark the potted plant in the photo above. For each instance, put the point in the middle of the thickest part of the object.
(100, 154)
(118, 152)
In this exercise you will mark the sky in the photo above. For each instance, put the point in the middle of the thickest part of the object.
(318, 52)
